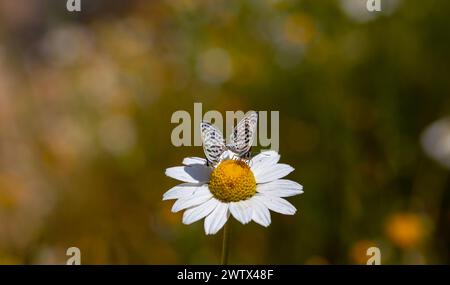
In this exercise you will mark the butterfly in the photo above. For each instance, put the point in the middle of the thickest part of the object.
(240, 141)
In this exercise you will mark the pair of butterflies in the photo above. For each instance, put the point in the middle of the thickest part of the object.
(240, 142)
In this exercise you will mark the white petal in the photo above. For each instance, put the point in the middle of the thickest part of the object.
(280, 188)
(180, 191)
(272, 173)
(263, 160)
(241, 211)
(194, 160)
(194, 214)
(195, 173)
(191, 201)
(260, 213)
(215, 221)
(276, 204)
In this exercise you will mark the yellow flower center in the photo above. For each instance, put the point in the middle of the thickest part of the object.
(232, 181)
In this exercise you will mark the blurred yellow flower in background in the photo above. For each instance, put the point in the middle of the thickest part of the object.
(405, 230)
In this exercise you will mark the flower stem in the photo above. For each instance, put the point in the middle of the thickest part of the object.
(225, 243)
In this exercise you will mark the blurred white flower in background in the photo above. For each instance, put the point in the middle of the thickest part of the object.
(357, 9)
(436, 141)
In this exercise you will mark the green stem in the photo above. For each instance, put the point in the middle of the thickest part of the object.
(225, 243)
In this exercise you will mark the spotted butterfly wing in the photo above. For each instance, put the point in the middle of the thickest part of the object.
(241, 138)
(213, 142)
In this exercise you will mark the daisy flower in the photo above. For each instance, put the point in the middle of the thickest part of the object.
(245, 189)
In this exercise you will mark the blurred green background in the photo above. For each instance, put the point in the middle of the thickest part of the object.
(86, 101)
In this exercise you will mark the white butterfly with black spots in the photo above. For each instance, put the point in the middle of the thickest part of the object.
(240, 142)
